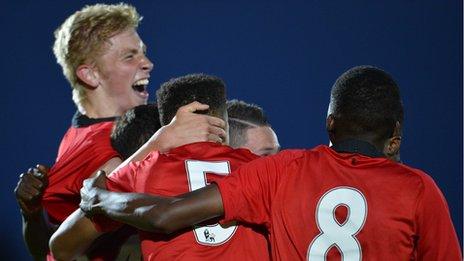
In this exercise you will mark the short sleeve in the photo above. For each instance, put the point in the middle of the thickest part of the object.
(247, 194)
(123, 179)
(437, 238)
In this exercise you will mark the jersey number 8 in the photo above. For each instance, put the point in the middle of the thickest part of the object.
(333, 234)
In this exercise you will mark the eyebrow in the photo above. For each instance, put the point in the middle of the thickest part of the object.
(270, 149)
(128, 50)
(133, 50)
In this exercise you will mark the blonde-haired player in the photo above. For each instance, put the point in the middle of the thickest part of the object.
(103, 59)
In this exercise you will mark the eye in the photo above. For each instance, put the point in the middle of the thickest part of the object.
(129, 56)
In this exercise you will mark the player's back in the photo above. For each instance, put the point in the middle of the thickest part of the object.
(360, 207)
(188, 168)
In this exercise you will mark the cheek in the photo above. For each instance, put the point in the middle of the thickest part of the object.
(119, 82)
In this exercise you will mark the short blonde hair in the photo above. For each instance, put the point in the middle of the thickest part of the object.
(82, 36)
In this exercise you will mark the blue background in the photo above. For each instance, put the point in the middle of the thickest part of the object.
(282, 56)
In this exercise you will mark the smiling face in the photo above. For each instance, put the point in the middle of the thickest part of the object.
(123, 70)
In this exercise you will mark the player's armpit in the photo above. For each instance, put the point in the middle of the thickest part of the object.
(73, 237)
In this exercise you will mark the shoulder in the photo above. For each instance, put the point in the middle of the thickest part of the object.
(98, 135)
(103, 128)
(289, 157)
(425, 180)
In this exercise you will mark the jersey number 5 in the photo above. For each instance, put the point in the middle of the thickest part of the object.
(334, 234)
(211, 235)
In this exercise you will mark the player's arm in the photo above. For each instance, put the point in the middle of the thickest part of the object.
(186, 127)
(73, 237)
(36, 227)
(77, 232)
(247, 193)
(148, 212)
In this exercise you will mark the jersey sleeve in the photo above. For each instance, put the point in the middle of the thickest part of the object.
(247, 194)
(437, 238)
(123, 179)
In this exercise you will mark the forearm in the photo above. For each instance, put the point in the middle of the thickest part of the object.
(153, 144)
(36, 232)
(73, 237)
(142, 211)
(161, 214)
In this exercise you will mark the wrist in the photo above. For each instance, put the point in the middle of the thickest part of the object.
(30, 214)
(160, 141)
(101, 201)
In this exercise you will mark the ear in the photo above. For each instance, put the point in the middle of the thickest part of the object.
(87, 74)
(392, 145)
(330, 126)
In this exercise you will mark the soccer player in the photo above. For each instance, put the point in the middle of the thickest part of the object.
(104, 60)
(249, 128)
(182, 169)
(351, 200)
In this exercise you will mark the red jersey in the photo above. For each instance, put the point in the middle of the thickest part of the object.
(83, 150)
(184, 169)
(318, 204)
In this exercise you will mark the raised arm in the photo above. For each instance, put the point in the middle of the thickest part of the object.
(186, 127)
(149, 212)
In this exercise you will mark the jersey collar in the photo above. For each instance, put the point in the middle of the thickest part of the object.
(80, 120)
(359, 147)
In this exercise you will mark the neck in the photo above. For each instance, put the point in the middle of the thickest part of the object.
(366, 138)
(98, 105)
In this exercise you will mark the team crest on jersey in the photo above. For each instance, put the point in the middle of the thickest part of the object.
(209, 237)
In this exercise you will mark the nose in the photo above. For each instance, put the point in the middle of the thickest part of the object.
(146, 64)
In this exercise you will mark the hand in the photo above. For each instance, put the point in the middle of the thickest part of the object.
(188, 127)
(90, 192)
(30, 189)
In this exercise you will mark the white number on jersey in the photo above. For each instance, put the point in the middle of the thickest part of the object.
(341, 236)
(211, 235)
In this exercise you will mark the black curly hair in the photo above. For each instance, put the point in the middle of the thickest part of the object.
(134, 128)
(183, 90)
(365, 100)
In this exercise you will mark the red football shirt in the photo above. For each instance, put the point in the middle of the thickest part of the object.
(319, 204)
(82, 151)
(184, 169)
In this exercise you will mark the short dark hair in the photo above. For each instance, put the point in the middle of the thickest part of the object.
(183, 90)
(366, 100)
(134, 128)
(243, 116)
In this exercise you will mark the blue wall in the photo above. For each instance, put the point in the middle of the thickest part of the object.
(284, 57)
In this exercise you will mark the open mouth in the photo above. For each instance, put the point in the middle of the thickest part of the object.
(140, 85)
